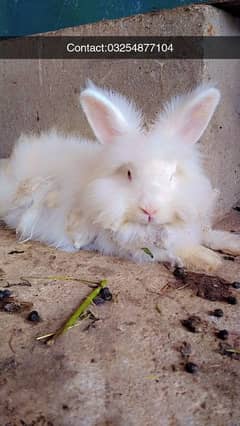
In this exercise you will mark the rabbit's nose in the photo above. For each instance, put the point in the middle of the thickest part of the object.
(149, 212)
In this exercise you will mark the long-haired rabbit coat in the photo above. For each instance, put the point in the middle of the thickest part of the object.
(130, 189)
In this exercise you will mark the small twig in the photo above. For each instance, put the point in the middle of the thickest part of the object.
(45, 336)
(163, 288)
(75, 315)
(166, 265)
(23, 283)
(214, 366)
(183, 286)
(232, 350)
(62, 278)
(152, 377)
(85, 315)
(10, 343)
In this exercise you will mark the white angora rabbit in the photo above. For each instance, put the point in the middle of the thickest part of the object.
(130, 189)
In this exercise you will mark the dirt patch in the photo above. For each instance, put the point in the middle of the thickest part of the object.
(137, 364)
(208, 287)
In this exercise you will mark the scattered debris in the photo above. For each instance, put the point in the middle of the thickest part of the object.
(205, 286)
(217, 313)
(34, 316)
(228, 350)
(93, 319)
(16, 252)
(222, 334)
(193, 324)
(191, 368)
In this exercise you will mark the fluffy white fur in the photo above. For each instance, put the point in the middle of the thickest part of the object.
(130, 189)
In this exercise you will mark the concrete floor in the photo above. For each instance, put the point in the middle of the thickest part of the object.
(126, 370)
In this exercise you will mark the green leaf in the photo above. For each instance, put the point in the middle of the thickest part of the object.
(147, 251)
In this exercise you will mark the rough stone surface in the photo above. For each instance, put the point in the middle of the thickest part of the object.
(127, 370)
(38, 94)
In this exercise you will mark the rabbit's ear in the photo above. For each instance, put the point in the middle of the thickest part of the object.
(187, 117)
(109, 114)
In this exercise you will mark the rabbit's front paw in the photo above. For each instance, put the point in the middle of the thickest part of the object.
(230, 244)
(78, 230)
(199, 258)
(80, 241)
(227, 242)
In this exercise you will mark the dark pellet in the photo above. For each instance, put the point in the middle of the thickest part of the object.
(222, 334)
(4, 294)
(236, 208)
(236, 284)
(192, 324)
(7, 293)
(229, 258)
(33, 316)
(65, 407)
(106, 294)
(232, 300)
(179, 273)
(191, 368)
(98, 300)
(217, 313)
(189, 325)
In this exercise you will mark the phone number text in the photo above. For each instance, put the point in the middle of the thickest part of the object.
(120, 48)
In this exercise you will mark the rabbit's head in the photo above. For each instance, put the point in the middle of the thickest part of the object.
(146, 177)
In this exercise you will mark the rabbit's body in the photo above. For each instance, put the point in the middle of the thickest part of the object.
(39, 185)
(132, 189)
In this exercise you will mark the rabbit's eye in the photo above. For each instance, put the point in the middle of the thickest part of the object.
(129, 175)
